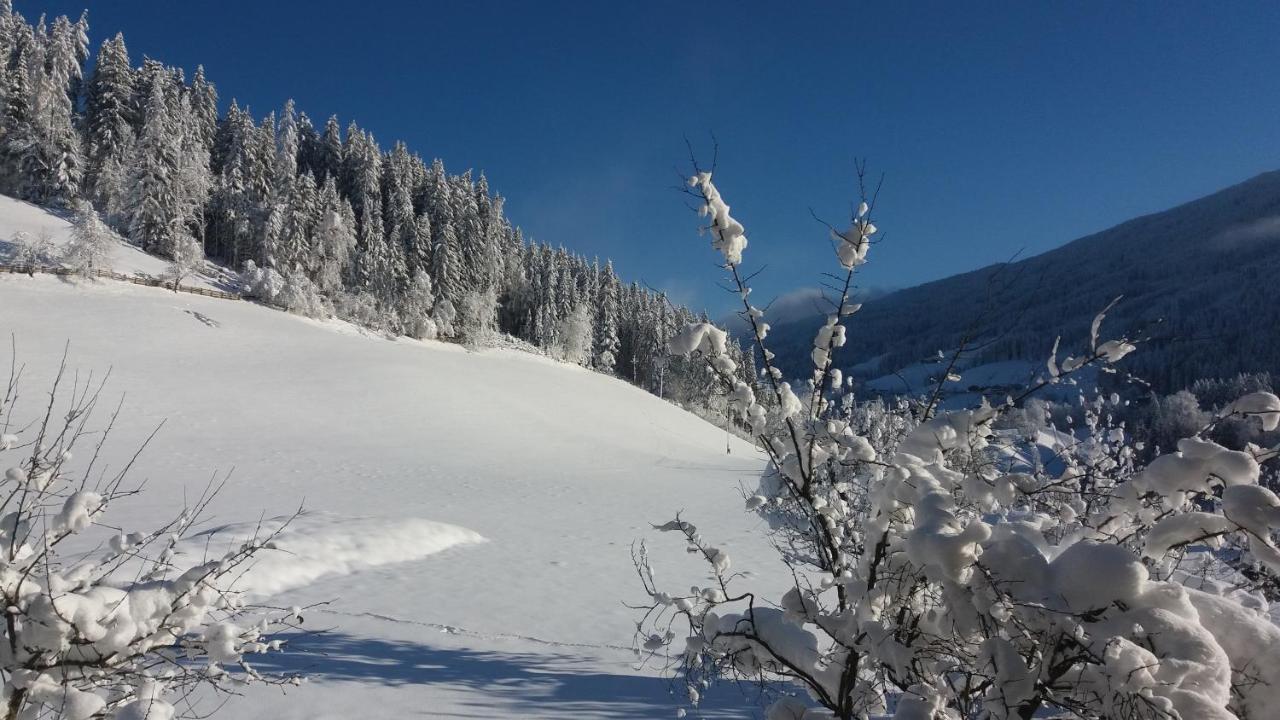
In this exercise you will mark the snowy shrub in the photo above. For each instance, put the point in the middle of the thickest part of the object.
(188, 255)
(294, 291)
(945, 570)
(359, 308)
(33, 251)
(1026, 420)
(262, 283)
(425, 329)
(301, 297)
(477, 318)
(91, 242)
(107, 622)
(574, 338)
(690, 379)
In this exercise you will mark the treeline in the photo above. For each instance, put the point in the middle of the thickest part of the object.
(1156, 421)
(319, 220)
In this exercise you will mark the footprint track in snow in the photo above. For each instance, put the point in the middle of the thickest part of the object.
(463, 632)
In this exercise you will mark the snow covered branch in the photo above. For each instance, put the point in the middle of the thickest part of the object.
(945, 568)
(103, 621)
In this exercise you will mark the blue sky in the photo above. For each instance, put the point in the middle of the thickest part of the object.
(1000, 127)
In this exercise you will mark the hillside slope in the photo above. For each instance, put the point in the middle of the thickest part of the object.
(18, 216)
(470, 514)
(1200, 278)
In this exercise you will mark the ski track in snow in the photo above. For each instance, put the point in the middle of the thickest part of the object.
(455, 630)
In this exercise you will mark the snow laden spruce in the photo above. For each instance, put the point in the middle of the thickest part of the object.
(102, 622)
(945, 569)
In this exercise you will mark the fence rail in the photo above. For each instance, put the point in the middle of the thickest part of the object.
(135, 279)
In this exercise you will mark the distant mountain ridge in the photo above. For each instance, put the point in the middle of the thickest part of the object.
(1202, 279)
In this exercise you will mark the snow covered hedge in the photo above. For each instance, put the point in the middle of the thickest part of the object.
(945, 570)
(103, 622)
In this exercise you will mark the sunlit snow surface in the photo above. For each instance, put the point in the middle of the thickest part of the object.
(18, 216)
(471, 514)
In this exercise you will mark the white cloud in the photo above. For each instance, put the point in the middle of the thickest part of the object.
(800, 304)
(1264, 229)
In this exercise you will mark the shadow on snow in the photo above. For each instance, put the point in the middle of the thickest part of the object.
(515, 680)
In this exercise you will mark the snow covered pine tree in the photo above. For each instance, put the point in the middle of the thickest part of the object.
(945, 570)
(111, 624)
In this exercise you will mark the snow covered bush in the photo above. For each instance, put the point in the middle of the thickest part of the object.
(294, 291)
(300, 296)
(477, 318)
(944, 569)
(33, 251)
(359, 308)
(91, 242)
(106, 622)
(261, 282)
(187, 256)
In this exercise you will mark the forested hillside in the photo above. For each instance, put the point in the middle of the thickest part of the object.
(320, 220)
(1199, 280)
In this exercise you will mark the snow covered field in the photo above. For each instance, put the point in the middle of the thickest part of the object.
(469, 514)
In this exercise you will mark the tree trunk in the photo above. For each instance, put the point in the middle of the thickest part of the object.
(16, 701)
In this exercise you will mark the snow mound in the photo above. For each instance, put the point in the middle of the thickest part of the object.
(316, 545)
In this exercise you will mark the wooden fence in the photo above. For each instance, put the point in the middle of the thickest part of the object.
(135, 279)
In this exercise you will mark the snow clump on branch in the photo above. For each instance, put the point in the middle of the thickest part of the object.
(947, 569)
(120, 630)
